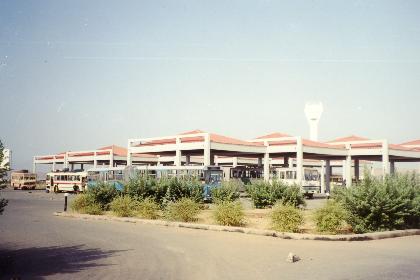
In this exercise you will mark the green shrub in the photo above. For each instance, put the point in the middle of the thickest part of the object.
(265, 194)
(286, 218)
(81, 201)
(183, 210)
(165, 189)
(143, 186)
(148, 209)
(330, 218)
(103, 194)
(85, 204)
(124, 206)
(293, 196)
(229, 213)
(382, 204)
(228, 191)
(94, 209)
(178, 188)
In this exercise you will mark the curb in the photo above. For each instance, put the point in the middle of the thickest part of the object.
(262, 232)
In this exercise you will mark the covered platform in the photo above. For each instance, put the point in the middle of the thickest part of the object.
(105, 156)
(276, 149)
(379, 150)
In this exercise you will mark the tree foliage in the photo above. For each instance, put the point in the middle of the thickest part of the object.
(229, 213)
(103, 194)
(164, 190)
(265, 194)
(330, 218)
(382, 204)
(3, 202)
(228, 191)
(286, 218)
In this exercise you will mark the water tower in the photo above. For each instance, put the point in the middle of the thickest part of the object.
(313, 112)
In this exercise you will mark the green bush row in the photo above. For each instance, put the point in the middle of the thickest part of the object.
(230, 213)
(373, 205)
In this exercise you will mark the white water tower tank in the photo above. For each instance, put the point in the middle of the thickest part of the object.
(313, 112)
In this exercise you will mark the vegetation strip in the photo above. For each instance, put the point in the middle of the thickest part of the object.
(284, 235)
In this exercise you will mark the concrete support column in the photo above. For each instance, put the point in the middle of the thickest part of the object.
(54, 164)
(322, 176)
(266, 167)
(392, 167)
(187, 160)
(34, 166)
(111, 158)
(158, 160)
(260, 162)
(356, 169)
(71, 166)
(299, 161)
(348, 171)
(207, 159)
(178, 159)
(327, 176)
(129, 159)
(81, 166)
(385, 158)
(234, 162)
(95, 161)
(66, 160)
(344, 170)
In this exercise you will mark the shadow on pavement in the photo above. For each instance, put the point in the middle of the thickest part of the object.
(38, 262)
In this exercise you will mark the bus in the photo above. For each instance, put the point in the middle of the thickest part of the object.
(22, 179)
(111, 175)
(311, 182)
(243, 173)
(66, 181)
(210, 176)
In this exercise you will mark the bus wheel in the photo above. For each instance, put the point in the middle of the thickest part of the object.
(56, 189)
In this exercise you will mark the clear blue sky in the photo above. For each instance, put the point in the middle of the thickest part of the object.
(84, 74)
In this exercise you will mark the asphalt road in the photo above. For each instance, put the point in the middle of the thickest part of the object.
(34, 244)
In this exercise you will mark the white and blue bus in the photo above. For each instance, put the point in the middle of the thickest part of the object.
(210, 176)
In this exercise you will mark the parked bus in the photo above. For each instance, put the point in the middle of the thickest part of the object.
(111, 175)
(66, 181)
(243, 173)
(22, 179)
(311, 182)
(210, 176)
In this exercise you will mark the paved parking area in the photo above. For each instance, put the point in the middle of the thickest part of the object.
(34, 244)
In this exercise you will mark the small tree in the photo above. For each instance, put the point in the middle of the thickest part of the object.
(3, 202)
